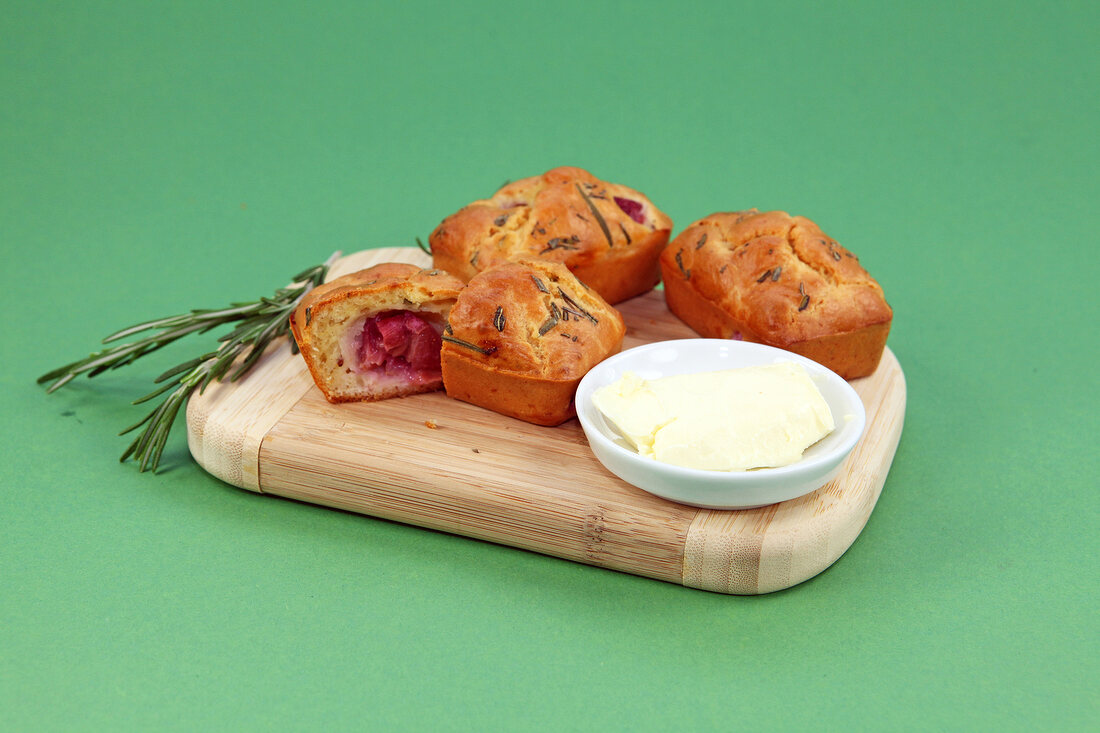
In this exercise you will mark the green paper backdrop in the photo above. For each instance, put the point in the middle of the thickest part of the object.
(160, 156)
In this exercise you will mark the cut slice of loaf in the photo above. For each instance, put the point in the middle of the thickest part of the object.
(375, 333)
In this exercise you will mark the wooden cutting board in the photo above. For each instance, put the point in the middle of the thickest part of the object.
(435, 462)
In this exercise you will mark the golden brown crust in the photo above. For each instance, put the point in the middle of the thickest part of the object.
(776, 279)
(522, 335)
(566, 215)
(325, 313)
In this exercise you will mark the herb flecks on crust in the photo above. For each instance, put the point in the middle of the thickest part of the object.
(599, 217)
(607, 234)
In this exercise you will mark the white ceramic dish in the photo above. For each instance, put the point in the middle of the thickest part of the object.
(719, 489)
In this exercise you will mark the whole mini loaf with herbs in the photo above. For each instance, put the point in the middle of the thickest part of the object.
(520, 337)
(779, 280)
(610, 236)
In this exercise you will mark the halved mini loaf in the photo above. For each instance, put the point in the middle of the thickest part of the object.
(375, 333)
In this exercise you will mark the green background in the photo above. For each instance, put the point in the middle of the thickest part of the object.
(157, 157)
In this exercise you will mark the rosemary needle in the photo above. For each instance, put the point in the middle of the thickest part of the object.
(259, 323)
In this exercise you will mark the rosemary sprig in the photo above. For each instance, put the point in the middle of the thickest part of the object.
(259, 323)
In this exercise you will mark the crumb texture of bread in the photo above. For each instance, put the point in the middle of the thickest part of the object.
(328, 326)
(520, 337)
(610, 236)
(777, 279)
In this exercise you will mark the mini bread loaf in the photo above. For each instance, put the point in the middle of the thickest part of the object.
(777, 280)
(521, 336)
(608, 235)
(375, 333)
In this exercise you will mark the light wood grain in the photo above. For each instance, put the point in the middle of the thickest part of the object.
(436, 462)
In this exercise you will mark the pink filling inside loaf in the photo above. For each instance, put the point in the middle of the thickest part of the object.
(631, 208)
(400, 344)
